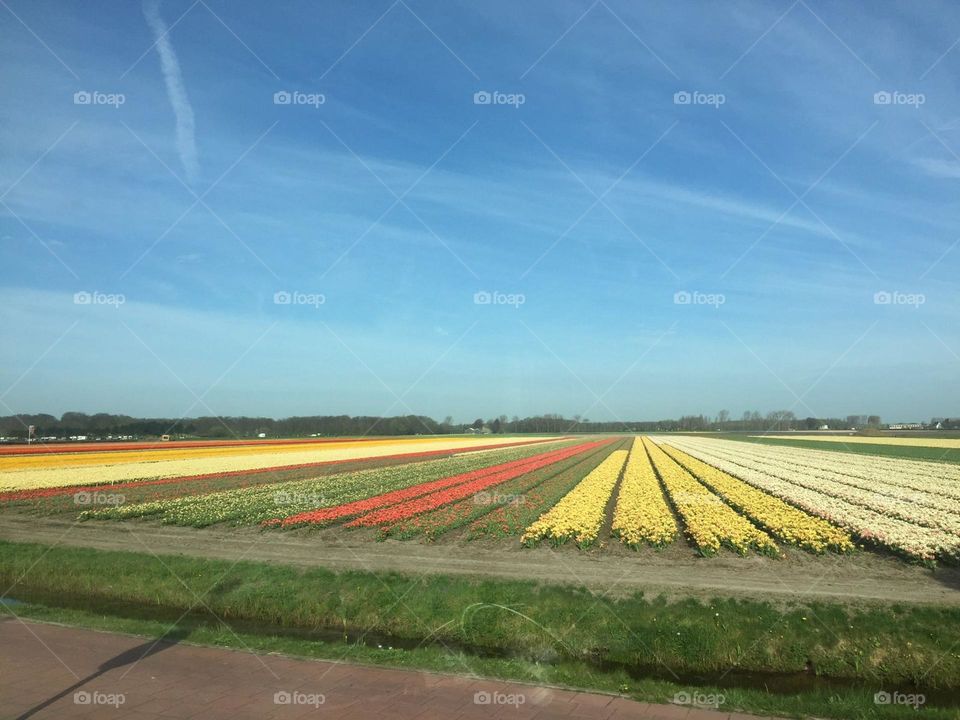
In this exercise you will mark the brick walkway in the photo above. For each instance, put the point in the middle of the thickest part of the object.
(47, 671)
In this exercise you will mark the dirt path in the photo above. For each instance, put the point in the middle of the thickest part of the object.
(613, 570)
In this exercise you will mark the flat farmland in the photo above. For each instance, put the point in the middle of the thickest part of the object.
(637, 498)
(741, 566)
(927, 442)
(33, 471)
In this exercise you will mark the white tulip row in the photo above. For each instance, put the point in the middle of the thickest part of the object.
(902, 509)
(939, 478)
(883, 482)
(861, 518)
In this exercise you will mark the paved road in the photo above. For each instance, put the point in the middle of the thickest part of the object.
(48, 671)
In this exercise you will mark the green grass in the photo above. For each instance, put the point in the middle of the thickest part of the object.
(906, 452)
(515, 630)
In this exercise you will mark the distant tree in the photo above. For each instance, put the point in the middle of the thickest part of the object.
(723, 417)
(477, 424)
(780, 420)
(496, 426)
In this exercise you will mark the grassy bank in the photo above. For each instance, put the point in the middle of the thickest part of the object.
(648, 648)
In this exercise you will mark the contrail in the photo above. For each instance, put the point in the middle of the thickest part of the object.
(170, 66)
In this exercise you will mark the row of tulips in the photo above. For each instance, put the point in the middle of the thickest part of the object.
(579, 515)
(642, 515)
(380, 509)
(912, 541)
(252, 505)
(406, 510)
(783, 520)
(881, 495)
(709, 521)
(522, 491)
(67, 484)
(937, 478)
(903, 493)
(119, 468)
(511, 519)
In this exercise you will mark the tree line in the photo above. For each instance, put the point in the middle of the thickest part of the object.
(103, 424)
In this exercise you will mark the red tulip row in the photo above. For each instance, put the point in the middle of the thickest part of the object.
(40, 493)
(490, 475)
(435, 500)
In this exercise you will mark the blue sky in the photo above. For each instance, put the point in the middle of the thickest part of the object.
(780, 201)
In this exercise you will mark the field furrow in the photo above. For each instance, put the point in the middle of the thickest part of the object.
(513, 493)
(579, 515)
(786, 522)
(908, 539)
(883, 503)
(402, 511)
(710, 523)
(510, 520)
(128, 467)
(252, 505)
(642, 515)
(382, 501)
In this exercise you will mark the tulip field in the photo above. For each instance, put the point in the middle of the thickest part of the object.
(639, 494)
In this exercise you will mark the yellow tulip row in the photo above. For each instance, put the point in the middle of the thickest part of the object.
(709, 521)
(579, 514)
(642, 514)
(783, 520)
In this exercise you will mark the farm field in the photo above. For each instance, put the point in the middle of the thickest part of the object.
(706, 494)
(886, 448)
(679, 530)
(30, 471)
(929, 442)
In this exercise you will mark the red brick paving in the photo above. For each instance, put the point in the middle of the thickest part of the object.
(47, 671)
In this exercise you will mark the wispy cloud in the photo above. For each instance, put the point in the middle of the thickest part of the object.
(939, 168)
(173, 77)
